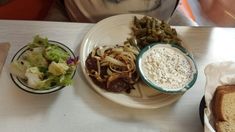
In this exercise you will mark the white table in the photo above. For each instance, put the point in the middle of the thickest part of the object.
(80, 108)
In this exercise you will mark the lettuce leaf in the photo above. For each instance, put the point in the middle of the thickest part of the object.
(39, 42)
(56, 54)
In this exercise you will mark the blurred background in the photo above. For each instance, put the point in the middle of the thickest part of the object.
(176, 12)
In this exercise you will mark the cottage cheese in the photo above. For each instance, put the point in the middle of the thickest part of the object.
(166, 67)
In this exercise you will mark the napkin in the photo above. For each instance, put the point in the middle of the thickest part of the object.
(217, 74)
(4, 47)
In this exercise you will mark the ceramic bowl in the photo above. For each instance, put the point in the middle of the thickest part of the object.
(22, 84)
(152, 84)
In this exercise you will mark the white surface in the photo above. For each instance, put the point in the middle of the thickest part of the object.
(111, 31)
(217, 74)
(79, 108)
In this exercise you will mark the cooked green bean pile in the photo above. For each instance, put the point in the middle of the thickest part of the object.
(149, 30)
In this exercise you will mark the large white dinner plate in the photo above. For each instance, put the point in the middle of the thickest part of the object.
(111, 31)
(95, 10)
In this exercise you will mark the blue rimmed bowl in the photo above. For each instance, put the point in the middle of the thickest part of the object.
(22, 84)
(154, 85)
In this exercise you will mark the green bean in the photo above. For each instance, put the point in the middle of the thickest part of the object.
(148, 30)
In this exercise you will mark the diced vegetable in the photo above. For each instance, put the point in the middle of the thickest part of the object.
(19, 68)
(34, 77)
(58, 68)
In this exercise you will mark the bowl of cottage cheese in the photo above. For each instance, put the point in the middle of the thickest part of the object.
(168, 68)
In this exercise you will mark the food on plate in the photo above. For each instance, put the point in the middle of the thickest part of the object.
(113, 68)
(44, 65)
(223, 108)
(148, 30)
(166, 66)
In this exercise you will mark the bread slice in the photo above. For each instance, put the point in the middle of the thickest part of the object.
(225, 126)
(223, 108)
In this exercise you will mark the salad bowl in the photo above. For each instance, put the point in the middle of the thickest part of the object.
(52, 80)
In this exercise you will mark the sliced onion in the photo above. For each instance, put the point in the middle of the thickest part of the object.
(119, 62)
(113, 61)
(117, 50)
(131, 55)
(102, 50)
(133, 50)
(109, 72)
(114, 69)
(93, 52)
(104, 63)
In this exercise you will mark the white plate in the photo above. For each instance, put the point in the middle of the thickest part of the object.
(96, 10)
(111, 31)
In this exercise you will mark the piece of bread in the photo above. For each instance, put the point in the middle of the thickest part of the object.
(225, 126)
(223, 108)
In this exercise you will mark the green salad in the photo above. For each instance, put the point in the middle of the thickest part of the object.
(44, 65)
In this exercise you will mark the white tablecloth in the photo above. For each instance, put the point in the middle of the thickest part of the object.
(80, 108)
